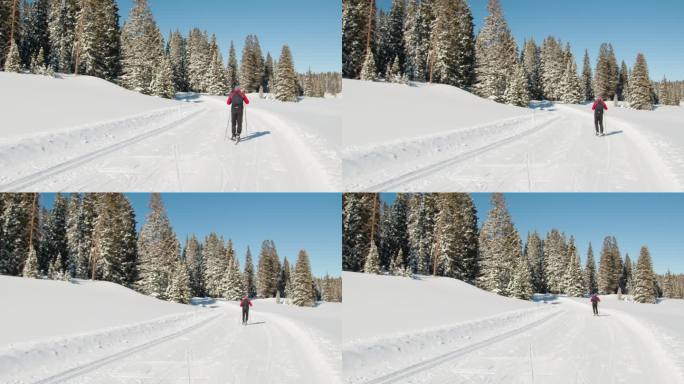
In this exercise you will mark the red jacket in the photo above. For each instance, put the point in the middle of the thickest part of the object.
(594, 299)
(593, 108)
(245, 302)
(239, 92)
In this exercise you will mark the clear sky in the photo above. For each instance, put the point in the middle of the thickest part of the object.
(654, 220)
(294, 221)
(310, 27)
(655, 28)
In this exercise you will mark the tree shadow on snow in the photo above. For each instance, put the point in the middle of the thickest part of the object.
(254, 135)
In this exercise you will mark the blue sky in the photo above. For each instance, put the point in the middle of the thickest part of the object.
(654, 28)
(310, 27)
(654, 220)
(294, 221)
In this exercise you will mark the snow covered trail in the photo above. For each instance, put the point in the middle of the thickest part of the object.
(571, 346)
(552, 148)
(127, 142)
(271, 349)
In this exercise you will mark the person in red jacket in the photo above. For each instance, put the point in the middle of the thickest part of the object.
(594, 303)
(237, 100)
(598, 108)
(245, 303)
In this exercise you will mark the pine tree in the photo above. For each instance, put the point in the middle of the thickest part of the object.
(606, 75)
(178, 56)
(495, 55)
(54, 241)
(286, 83)
(587, 86)
(372, 264)
(640, 86)
(235, 288)
(193, 260)
(142, 49)
(87, 220)
(268, 271)
(644, 279)
(179, 287)
(232, 71)
(554, 267)
(627, 279)
(62, 25)
(669, 285)
(216, 76)
(500, 248)
(531, 62)
(163, 84)
(158, 251)
(284, 278)
(452, 41)
(13, 61)
(390, 39)
(574, 280)
(215, 265)
(358, 34)
(198, 52)
(570, 86)
(73, 234)
(302, 282)
(623, 82)
(456, 238)
(368, 72)
(420, 227)
(610, 266)
(250, 280)
(534, 253)
(393, 230)
(30, 269)
(252, 65)
(520, 285)
(516, 91)
(97, 39)
(590, 283)
(552, 67)
(269, 73)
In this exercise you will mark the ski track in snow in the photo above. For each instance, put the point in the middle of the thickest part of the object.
(189, 153)
(567, 346)
(270, 349)
(533, 153)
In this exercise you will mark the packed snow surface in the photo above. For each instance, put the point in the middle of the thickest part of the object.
(493, 339)
(85, 134)
(95, 332)
(440, 138)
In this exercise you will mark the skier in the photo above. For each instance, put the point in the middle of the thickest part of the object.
(237, 100)
(598, 108)
(245, 303)
(594, 303)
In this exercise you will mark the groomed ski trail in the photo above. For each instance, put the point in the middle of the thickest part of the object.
(192, 155)
(267, 350)
(425, 366)
(573, 347)
(564, 156)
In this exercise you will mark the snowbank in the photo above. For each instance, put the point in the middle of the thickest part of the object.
(38, 104)
(48, 326)
(378, 113)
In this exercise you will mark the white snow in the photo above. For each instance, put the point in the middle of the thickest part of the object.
(440, 138)
(95, 332)
(82, 133)
(493, 339)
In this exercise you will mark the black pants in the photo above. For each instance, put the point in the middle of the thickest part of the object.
(245, 316)
(595, 307)
(236, 120)
(598, 120)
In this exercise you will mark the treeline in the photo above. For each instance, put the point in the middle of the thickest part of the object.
(672, 285)
(93, 236)
(438, 234)
(320, 84)
(434, 41)
(84, 37)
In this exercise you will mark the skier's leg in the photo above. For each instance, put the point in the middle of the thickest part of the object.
(239, 122)
(596, 123)
(233, 122)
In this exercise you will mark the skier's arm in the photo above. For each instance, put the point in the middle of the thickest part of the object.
(605, 106)
(244, 96)
(250, 303)
(230, 99)
(593, 107)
